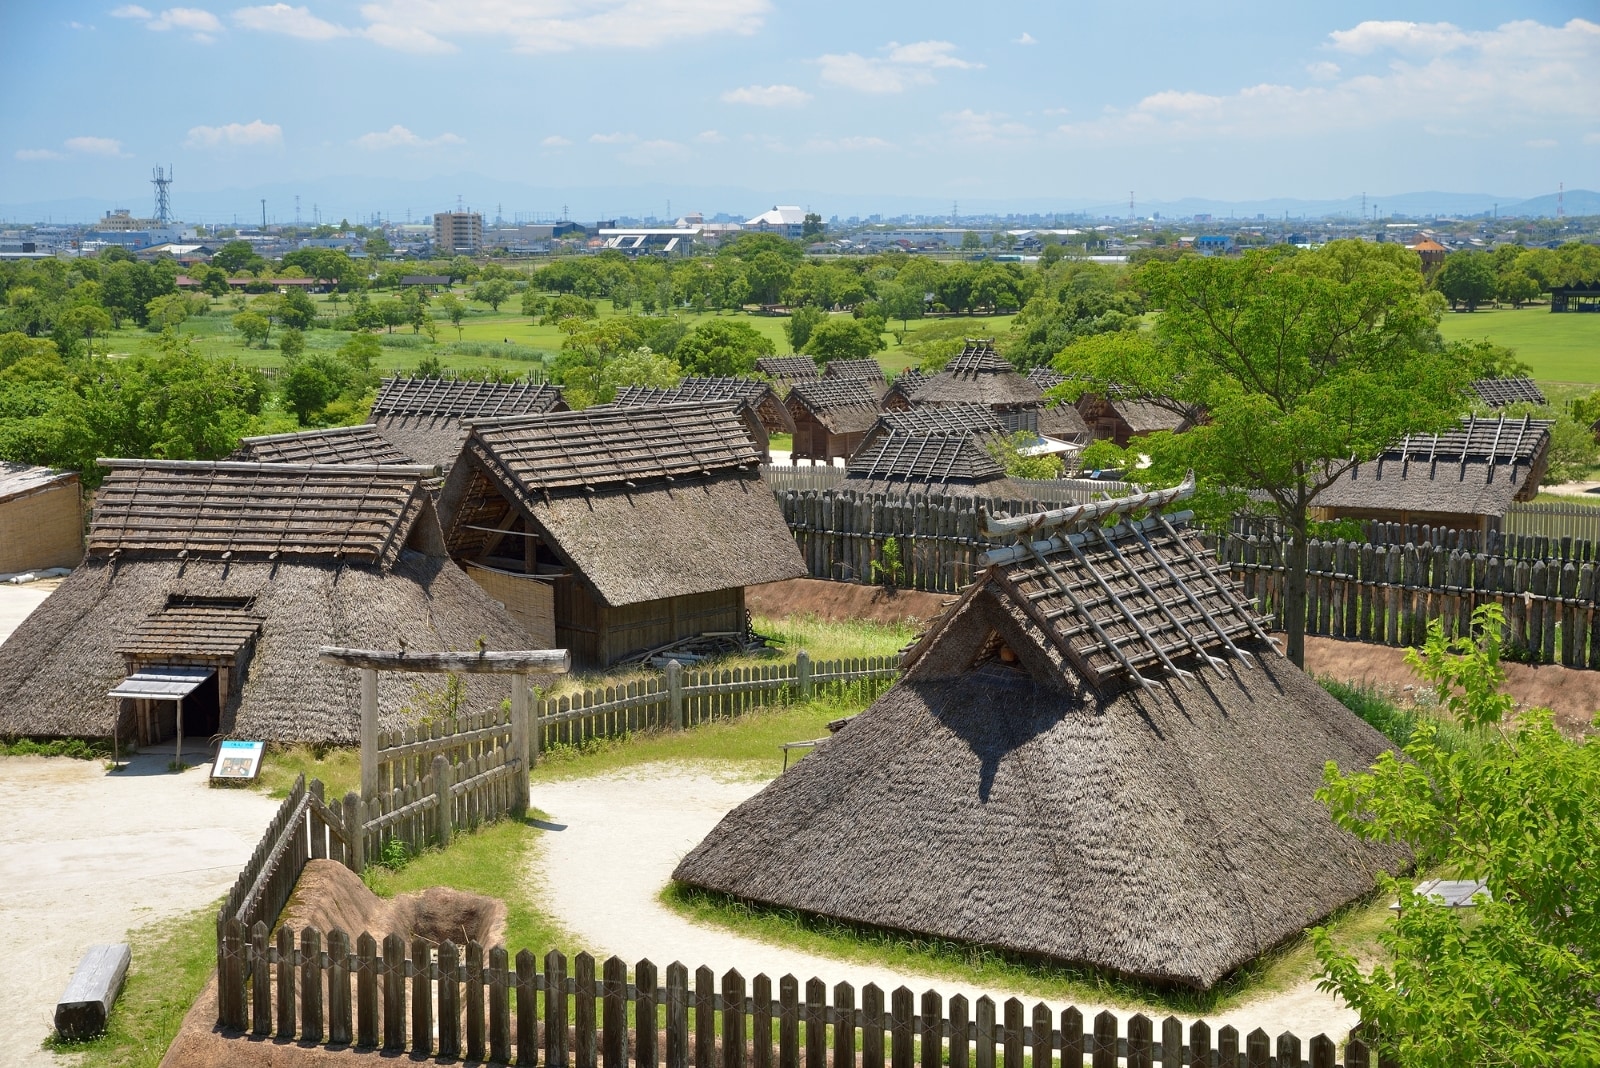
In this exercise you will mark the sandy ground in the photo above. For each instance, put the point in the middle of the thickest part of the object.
(85, 855)
(614, 840)
(17, 601)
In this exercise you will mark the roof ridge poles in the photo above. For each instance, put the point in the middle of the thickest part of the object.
(1221, 587)
(1157, 599)
(1099, 631)
(1128, 614)
(1026, 525)
(1137, 530)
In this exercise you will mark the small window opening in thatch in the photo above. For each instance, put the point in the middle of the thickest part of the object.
(995, 653)
(181, 600)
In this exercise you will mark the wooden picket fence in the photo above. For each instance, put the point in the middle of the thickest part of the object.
(1580, 522)
(428, 809)
(1388, 594)
(303, 828)
(685, 697)
(453, 1002)
(1053, 492)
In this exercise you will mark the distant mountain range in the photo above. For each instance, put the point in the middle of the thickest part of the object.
(358, 198)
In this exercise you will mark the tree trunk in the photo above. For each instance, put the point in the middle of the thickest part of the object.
(1294, 592)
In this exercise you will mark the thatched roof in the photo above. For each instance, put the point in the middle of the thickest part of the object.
(229, 511)
(1045, 378)
(22, 480)
(57, 667)
(841, 405)
(868, 370)
(263, 562)
(423, 417)
(639, 503)
(1023, 795)
(787, 368)
(751, 393)
(335, 445)
(979, 375)
(951, 464)
(1479, 468)
(961, 420)
(905, 384)
(1500, 392)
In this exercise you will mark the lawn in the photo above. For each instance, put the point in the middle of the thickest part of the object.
(1559, 348)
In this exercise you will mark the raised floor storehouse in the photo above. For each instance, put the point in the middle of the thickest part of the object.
(1094, 757)
(831, 416)
(208, 589)
(424, 418)
(1465, 478)
(617, 530)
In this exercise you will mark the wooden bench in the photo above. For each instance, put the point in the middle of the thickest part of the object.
(83, 1009)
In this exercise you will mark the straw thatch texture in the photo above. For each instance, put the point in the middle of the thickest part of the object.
(424, 417)
(335, 445)
(1499, 392)
(751, 393)
(868, 370)
(1479, 468)
(905, 384)
(787, 368)
(240, 510)
(979, 375)
(195, 627)
(839, 405)
(56, 669)
(41, 518)
(950, 464)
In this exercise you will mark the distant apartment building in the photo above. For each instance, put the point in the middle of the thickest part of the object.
(458, 232)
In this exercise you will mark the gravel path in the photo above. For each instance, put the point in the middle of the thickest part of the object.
(613, 842)
(86, 855)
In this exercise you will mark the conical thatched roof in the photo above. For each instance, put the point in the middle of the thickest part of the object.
(979, 375)
(1018, 789)
(424, 417)
(190, 561)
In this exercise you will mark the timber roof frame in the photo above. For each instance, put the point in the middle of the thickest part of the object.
(462, 398)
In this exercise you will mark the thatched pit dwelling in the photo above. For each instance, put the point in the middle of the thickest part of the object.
(787, 370)
(221, 581)
(757, 403)
(424, 418)
(41, 518)
(831, 416)
(1094, 757)
(1464, 479)
(617, 530)
(951, 465)
(903, 388)
(333, 445)
(978, 375)
(867, 369)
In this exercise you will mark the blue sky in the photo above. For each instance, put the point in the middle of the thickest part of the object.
(1062, 102)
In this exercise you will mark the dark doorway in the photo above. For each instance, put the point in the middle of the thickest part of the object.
(202, 713)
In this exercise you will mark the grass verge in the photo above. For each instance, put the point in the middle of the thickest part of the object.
(76, 748)
(339, 769)
(172, 959)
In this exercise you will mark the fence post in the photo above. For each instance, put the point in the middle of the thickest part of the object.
(675, 694)
(441, 793)
(519, 740)
(802, 670)
(369, 731)
(356, 855)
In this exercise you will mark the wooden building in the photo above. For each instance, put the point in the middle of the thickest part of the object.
(831, 416)
(208, 588)
(980, 375)
(1463, 479)
(334, 445)
(1121, 417)
(425, 418)
(951, 465)
(755, 400)
(1513, 389)
(787, 370)
(868, 370)
(41, 518)
(900, 391)
(1582, 297)
(960, 420)
(625, 528)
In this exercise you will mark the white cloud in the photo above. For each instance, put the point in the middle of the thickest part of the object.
(1432, 75)
(202, 25)
(651, 153)
(1542, 142)
(254, 134)
(538, 26)
(94, 146)
(1591, 138)
(709, 137)
(555, 141)
(612, 138)
(130, 11)
(291, 21)
(847, 144)
(903, 66)
(1323, 70)
(767, 96)
(983, 127)
(80, 25)
(398, 136)
(38, 155)
(1026, 39)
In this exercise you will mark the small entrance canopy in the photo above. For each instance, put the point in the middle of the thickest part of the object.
(162, 683)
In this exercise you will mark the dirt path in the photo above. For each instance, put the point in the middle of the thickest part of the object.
(85, 855)
(16, 602)
(615, 839)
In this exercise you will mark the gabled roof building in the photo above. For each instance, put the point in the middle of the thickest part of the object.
(424, 418)
(1094, 757)
(786, 369)
(953, 465)
(869, 371)
(208, 588)
(615, 530)
(334, 445)
(831, 416)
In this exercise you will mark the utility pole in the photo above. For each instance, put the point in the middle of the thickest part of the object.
(297, 211)
(1561, 200)
(263, 214)
(1131, 214)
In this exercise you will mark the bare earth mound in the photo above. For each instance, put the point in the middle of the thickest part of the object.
(843, 600)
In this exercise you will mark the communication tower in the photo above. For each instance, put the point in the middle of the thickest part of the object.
(1561, 200)
(1131, 215)
(162, 180)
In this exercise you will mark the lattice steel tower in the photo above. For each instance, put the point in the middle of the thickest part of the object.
(162, 180)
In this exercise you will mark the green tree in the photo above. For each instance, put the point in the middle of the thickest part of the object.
(1466, 278)
(970, 240)
(1514, 980)
(493, 292)
(253, 325)
(901, 300)
(377, 247)
(801, 323)
(812, 228)
(85, 321)
(722, 347)
(1014, 457)
(296, 309)
(568, 306)
(454, 309)
(1301, 365)
(238, 256)
(839, 337)
(291, 343)
(589, 349)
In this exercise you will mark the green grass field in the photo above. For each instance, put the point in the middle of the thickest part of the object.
(1559, 348)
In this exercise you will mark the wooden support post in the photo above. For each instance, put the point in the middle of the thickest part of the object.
(802, 670)
(441, 792)
(520, 750)
(675, 694)
(369, 732)
(355, 857)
